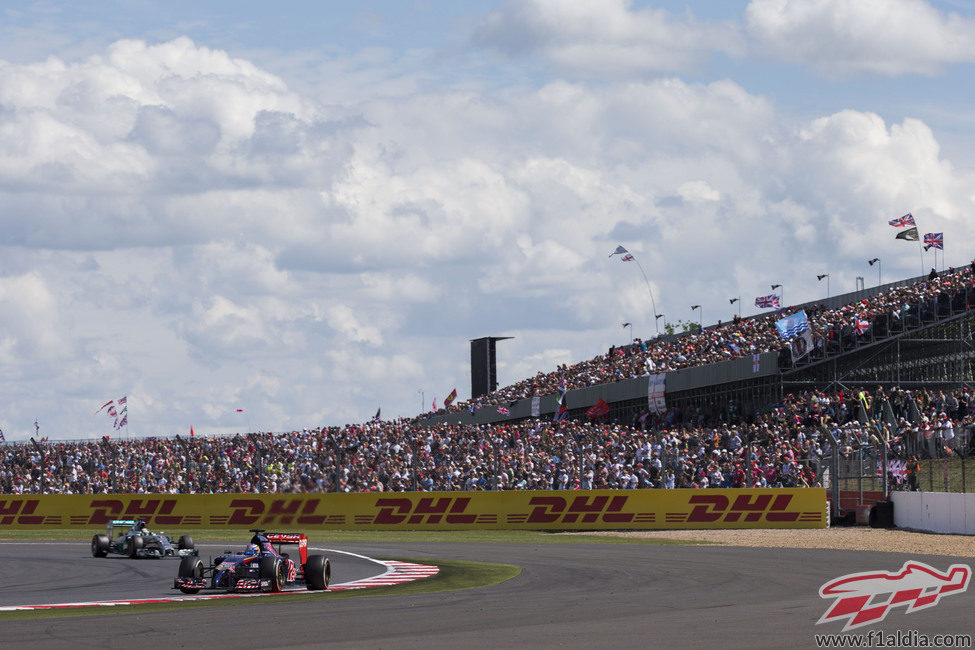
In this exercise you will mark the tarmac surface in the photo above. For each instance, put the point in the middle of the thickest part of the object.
(568, 595)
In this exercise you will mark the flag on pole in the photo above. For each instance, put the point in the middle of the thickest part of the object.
(770, 301)
(792, 325)
(434, 405)
(108, 403)
(123, 422)
(619, 251)
(375, 418)
(2, 438)
(934, 240)
(598, 409)
(123, 400)
(450, 398)
(906, 220)
(627, 258)
(191, 431)
(908, 235)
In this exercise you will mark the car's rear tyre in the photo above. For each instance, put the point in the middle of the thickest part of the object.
(272, 570)
(135, 545)
(100, 545)
(318, 572)
(190, 567)
(185, 541)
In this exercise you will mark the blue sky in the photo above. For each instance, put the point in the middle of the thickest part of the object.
(307, 212)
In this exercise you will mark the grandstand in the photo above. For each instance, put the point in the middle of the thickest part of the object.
(919, 335)
(888, 370)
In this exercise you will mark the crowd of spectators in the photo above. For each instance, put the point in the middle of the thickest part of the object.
(784, 445)
(876, 316)
(787, 445)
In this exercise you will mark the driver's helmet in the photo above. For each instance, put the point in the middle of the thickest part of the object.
(252, 549)
(139, 525)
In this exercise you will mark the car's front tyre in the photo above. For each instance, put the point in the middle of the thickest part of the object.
(272, 571)
(135, 544)
(190, 567)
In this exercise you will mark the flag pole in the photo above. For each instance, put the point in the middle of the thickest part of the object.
(656, 322)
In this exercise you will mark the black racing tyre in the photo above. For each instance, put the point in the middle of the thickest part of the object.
(100, 545)
(272, 570)
(190, 567)
(185, 541)
(135, 545)
(318, 573)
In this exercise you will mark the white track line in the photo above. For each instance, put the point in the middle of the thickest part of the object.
(395, 573)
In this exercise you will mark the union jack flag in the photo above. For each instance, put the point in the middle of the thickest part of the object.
(934, 240)
(503, 410)
(2, 438)
(767, 302)
(627, 258)
(906, 220)
(861, 326)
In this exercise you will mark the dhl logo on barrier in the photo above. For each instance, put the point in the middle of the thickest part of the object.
(556, 509)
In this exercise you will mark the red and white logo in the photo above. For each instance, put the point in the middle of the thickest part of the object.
(866, 598)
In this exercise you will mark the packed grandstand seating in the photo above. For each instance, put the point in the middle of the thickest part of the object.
(787, 445)
(887, 313)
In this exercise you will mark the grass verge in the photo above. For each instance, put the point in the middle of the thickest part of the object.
(454, 575)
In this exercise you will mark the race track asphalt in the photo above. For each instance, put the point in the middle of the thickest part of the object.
(568, 595)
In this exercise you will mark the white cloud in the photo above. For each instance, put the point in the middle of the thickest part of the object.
(844, 37)
(190, 231)
(607, 38)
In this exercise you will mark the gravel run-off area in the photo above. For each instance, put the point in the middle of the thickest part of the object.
(859, 538)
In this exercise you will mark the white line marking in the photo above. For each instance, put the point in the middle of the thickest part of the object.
(396, 573)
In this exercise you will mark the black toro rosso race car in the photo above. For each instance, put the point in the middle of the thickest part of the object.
(135, 540)
(259, 567)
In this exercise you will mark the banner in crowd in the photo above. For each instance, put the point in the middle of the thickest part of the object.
(792, 325)
(656, 393)
(525, 510)
(536, 406)
(801, 345)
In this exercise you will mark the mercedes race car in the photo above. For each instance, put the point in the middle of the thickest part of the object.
(259, 567)
(137, 541)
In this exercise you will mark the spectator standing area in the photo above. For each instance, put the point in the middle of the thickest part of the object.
(884, 387)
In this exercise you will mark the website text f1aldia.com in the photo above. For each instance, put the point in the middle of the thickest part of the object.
(895, 639)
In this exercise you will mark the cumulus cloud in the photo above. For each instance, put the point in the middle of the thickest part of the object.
(605, 38)
(844, 37)
(183, 226)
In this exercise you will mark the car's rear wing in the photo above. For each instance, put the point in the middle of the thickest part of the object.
(118, 522)
(289, 538)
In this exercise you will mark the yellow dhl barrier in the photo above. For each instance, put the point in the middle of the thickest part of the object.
(525, 510)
